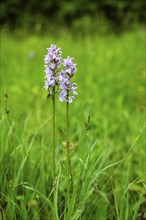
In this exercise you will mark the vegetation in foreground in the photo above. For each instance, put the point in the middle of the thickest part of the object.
(107, 130)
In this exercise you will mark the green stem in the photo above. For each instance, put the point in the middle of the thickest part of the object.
(70, 182)
(53, 149)
(53, 155)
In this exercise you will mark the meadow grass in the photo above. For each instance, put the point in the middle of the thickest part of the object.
(107, 124)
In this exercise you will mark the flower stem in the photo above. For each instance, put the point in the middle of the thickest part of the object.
(54, 135)
(53, 155)
(70, 179)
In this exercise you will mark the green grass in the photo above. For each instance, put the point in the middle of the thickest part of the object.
(107, 124)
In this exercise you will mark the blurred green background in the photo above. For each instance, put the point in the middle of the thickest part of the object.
(81, 15)
(107, 118)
